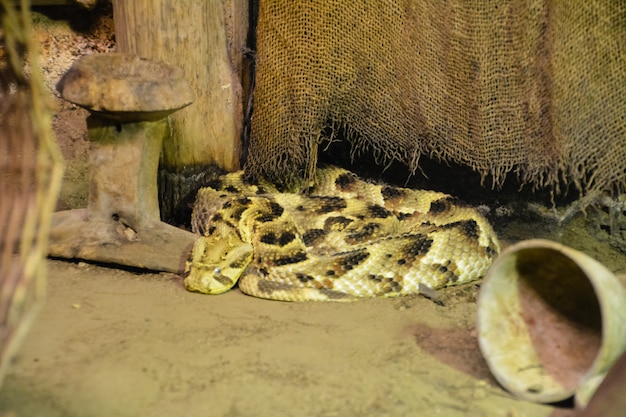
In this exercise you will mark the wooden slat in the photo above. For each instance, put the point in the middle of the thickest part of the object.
(193, 35)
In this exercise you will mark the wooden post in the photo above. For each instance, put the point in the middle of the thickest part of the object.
(205, 38)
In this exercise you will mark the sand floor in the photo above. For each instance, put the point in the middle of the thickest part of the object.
(118, 343)
(112, 342)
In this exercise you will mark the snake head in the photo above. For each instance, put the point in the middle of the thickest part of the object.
(216, 263)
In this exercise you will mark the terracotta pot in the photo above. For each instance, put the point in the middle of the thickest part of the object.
(551, 321)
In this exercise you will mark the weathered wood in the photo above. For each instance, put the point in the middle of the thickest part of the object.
(193, 35)
(87, 4)
(236, 24)
(130, 100)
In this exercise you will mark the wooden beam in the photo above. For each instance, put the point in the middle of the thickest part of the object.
(205, 38)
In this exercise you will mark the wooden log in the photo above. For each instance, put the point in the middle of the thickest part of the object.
(206, 39)
(191, 35)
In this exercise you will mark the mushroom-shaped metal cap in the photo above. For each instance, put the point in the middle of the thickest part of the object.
(126, 88)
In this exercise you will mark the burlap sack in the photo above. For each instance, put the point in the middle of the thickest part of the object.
(531, 87)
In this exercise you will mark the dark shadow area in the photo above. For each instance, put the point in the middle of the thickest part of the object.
(178, 188)
(455, 347)
(80, 19)
(447, 177)
(458, 348)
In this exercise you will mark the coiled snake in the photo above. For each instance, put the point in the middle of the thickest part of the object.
(346, 238)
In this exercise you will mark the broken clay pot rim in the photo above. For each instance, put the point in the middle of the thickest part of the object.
(504, 338)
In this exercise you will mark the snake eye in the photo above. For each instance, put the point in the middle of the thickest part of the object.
(217, 271)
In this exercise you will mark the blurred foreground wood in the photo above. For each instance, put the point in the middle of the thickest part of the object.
(31, 168)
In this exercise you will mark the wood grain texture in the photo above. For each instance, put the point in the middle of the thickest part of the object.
(205, 39)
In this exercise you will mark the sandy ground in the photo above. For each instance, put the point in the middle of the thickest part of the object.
(112, 342)
(119, 343)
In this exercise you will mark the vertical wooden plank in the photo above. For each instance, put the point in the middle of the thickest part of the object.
(206, 39)
(193, 35)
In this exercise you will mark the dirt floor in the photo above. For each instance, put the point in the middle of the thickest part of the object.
(113, 342)
(118, 343)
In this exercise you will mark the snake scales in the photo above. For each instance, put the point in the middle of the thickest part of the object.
(345, 238)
